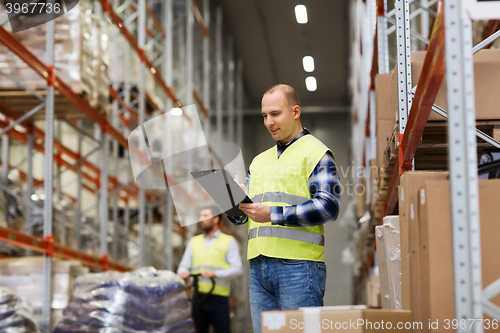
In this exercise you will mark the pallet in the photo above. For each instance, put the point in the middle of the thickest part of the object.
(431, 153)
(21, 102)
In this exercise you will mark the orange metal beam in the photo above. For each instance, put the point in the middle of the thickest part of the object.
(199, 18)
(430, 80)
(49, 248)
(198, 100)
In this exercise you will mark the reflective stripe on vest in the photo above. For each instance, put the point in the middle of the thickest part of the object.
(283, 182)
(290, 199)
(213, 259)
(295, 234)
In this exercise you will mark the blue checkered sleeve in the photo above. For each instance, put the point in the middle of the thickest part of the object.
(324, 187)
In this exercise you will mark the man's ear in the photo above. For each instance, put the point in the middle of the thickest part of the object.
(296, 111)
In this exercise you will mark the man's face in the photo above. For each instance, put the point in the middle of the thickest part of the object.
(207, 220)
(279, 116)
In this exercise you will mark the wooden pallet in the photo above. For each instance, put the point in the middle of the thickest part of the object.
(21, 102)
(431, 153)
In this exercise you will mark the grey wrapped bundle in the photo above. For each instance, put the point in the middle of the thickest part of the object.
(145, 300)
(13, 316)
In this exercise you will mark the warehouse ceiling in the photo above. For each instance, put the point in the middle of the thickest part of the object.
(272, 44)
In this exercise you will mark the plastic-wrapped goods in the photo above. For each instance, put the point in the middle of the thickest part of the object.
(81, 55)
(145, 300)
(13, 316)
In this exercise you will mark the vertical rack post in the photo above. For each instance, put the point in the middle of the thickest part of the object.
(462, 161)
(29, 179)
(382, 37)
(230, 89)
(404, 65)
(104, 195)
(79, 197)
(219, 81)
(167, 70)
(141, 28)
(5, 159)
(48, 166)
(206, 70)
(239, 102)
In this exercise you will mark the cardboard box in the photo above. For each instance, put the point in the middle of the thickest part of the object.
(335, 319)
(410, 182)
(393, 260)
(486, 81)
(373, 291)
(383, 132)
(383, 97)
(436, 247)
(382, 266)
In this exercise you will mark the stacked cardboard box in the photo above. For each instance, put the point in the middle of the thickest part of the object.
(389, 261)
(81, 55)
(486, 81)
(384, 124)
(410, 182)
(356, 319)
(438, 295)
(427, 246)
(24, 277)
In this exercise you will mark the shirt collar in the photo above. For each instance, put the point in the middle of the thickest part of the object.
(215, 235)
(282, 147)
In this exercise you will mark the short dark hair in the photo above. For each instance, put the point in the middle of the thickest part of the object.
(290, 94)
(216, 211)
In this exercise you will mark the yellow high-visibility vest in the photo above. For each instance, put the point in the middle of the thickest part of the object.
(283, 182)
(214, 258)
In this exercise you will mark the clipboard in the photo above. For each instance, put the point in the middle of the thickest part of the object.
(223, 189)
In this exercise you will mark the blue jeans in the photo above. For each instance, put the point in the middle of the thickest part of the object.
(284, 284)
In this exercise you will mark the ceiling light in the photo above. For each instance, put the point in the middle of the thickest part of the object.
(311, 83)
(176, 112)
(301, 14)
(308, 63)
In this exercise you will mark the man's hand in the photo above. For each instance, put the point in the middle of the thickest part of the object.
(208, 274)
(184, 274)
(256, 211)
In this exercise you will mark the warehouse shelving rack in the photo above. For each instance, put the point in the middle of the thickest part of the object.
(415, 105)
(135, 31)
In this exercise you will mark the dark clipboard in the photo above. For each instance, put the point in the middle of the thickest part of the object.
(223, 189)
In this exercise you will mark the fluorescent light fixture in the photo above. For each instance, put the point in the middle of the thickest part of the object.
(308, 63)
(301, 14)
(311, 83)
(176, 112)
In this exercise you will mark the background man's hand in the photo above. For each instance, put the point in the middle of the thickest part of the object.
(208, 274)
(184, 274)
(256, 211)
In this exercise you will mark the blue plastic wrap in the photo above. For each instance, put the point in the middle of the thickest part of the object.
(145, 300)
(13, 316)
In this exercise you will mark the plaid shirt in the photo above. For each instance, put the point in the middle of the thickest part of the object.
(324, 188)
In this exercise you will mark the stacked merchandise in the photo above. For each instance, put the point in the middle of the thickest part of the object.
(81, 55)
(13, 316)
(145, 300)
(24, 277)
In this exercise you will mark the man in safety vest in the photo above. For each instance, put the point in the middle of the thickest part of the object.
(295, 189)
(213, 254)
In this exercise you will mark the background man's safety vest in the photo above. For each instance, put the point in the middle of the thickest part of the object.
(283, 182)
(213, 259)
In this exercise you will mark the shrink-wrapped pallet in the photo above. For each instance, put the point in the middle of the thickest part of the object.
(145, 300)
(24, 277)
(81, 55)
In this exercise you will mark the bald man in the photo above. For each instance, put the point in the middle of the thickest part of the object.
(295, 190)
